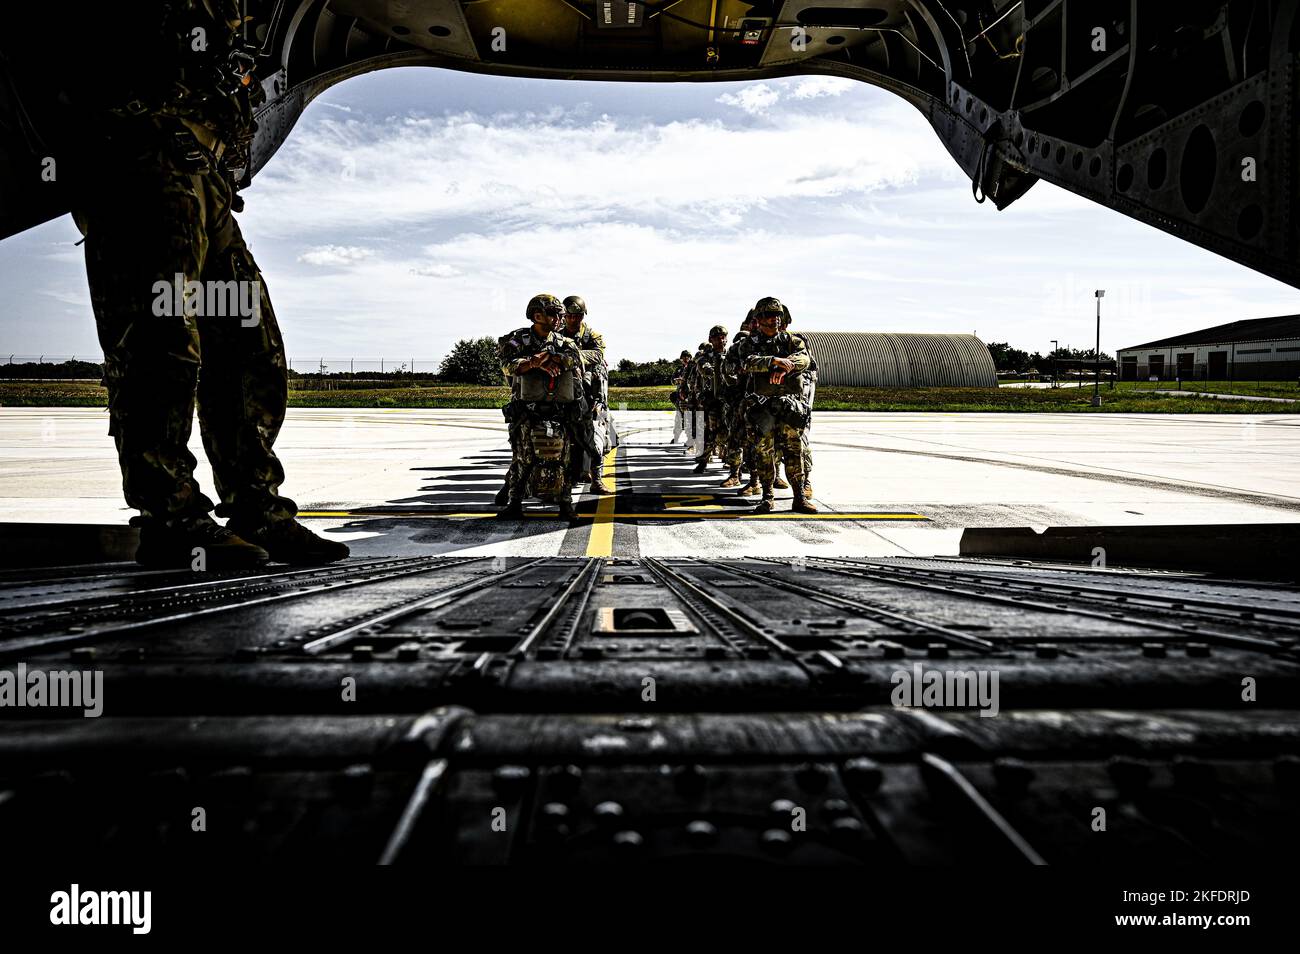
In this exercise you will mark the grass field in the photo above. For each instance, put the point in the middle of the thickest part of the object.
(1067, 399)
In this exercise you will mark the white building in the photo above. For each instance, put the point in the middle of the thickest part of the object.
(1258, 349)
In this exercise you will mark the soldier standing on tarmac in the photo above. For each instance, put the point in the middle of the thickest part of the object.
(538, 349)
(678, 397)
(691, 387)
(708, 383)
(154, 128)
(741, 453)
(738, 449)
(773, 363)
(809, 395)
(595, 386)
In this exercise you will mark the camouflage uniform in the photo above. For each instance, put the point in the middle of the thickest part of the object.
(809, 380)
(693, 385)
(591, 345)
(772, 411)
(731, 436)
(683, 421)
(154, 196)
(809, 395)
(738, 450)
(693, 390)
(523, 411)
(707, 386)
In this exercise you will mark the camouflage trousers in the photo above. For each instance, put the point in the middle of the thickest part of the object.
(145, 225)
(512, 472)
(785, 444)
(526, 468)
(807, 456)
(692, 419)
(586, 457)
(732, 442)
(716, 438)
(521, 456)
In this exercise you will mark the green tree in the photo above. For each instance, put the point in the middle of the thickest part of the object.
(634, 374)
(64, 369)
(472, 361)
(1007, 358)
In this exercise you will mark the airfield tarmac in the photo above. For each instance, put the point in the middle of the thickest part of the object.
(402, 482)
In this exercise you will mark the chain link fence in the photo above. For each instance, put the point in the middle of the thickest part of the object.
(306, 371)
(328, 374)
(51, 367)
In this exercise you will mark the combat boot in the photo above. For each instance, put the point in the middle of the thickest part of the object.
(807, 490)
(598, 485)
(567, 512)
(767, 504)
(780, 483)
(750, 489)
(514, 510)
(733, 479)
(802, 503)
(288, 541)
(701, 465)
(198, 543)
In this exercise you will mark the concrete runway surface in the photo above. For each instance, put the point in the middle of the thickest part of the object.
(401, 482)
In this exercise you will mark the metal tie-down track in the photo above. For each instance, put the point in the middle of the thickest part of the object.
(472, 709)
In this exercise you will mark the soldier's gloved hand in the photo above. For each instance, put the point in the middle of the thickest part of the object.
(784, 364)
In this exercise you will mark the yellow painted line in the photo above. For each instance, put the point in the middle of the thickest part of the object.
(680, 503)
(785, 515)
(353, 514)
(602, 519)
(601, 541)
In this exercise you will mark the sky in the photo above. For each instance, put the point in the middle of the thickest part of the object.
(413, 207)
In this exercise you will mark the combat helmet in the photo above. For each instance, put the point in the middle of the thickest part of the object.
(769, 306)
(717, 331)
(574, 305)
(547, 304)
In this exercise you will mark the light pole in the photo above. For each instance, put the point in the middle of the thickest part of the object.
(1056, 346)
(1096, 380)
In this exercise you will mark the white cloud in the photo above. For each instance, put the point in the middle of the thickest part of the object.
(335, 255)
(437, 270)
(755, 100)
(814, 87)
(855, 215)
(393, 236)
(758, 99)
(421, 170)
